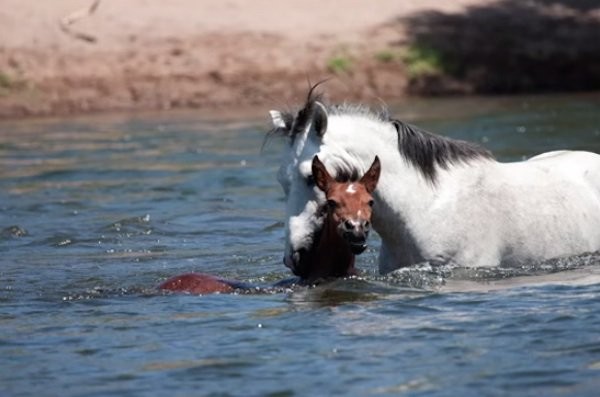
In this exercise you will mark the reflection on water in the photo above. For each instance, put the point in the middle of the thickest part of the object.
(96, 211)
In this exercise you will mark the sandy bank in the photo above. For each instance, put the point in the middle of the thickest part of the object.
(149, 54)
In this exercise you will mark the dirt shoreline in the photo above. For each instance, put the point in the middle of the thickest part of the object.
(147, 54)
(189, 54)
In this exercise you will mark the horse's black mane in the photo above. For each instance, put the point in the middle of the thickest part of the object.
(422, 149)
(425, 150)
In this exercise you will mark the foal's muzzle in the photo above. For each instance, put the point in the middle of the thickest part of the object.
(356, 232)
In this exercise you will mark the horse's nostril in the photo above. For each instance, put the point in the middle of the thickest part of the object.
(367, 224)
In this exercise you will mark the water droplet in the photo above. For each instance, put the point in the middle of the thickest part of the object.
(259, 325)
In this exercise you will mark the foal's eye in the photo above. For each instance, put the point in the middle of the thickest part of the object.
(332, 204)
(310, 181)
(371, 203)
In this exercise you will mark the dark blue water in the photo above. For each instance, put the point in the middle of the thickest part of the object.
(96, 211)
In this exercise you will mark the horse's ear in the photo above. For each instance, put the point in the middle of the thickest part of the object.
(371, 177)
(320, 119)
(277, 119)
(280, 121)
(320, 175)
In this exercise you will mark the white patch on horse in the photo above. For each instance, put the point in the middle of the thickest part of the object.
(351, 189)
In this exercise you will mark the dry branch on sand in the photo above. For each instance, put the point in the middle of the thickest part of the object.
(68, 20)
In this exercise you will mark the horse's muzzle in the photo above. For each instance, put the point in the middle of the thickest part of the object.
(289, 262)
(294, 261)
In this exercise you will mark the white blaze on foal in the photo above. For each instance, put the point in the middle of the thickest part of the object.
(440, 199)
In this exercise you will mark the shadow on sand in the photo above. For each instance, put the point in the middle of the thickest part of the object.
(510, 46)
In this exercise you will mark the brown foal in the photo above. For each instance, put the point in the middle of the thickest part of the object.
(346, 226)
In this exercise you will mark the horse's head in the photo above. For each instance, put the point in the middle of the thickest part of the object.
(306, 202)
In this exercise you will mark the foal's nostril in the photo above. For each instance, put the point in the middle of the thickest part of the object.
(348, 225)
(367, 224)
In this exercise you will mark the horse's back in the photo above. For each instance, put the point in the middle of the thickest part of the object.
(538, 209)
(579, 165)
(560, 210)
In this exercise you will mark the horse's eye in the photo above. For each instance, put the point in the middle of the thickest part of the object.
(371, 203)
(310, 181)
(332, 204)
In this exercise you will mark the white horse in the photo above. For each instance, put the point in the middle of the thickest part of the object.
(438, 199)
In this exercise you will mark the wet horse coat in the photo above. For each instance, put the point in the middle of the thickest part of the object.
(438, 199)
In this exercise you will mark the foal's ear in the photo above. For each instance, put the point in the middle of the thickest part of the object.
(320, 175)
(371, 177)
(320, 118)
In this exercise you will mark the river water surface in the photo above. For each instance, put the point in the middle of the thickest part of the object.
(96, 211)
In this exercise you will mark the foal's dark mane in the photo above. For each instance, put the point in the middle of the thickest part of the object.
(422, 149)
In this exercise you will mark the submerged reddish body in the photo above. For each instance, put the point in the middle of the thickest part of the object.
(197, 284)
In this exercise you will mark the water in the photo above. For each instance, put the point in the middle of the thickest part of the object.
(96, 211)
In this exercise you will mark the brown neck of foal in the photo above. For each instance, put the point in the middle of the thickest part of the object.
(332, 257)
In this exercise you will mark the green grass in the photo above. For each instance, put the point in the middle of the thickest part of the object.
(422, 60)
(387, 56)
(9, 83)
(340, 64)
(5, 80)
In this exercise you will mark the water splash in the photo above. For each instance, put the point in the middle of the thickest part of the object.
(431, 276)
(14, 231)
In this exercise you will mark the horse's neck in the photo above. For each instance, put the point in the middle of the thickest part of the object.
(411, 210)
(401, 197)
(401, 190)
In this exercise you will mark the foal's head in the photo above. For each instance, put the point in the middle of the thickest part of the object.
(346, 226)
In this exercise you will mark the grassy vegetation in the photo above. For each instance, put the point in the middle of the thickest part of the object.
(340, 64)
(388, 56)
(422, 61)
(9, 83)
(5, 80)
(6, 83)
